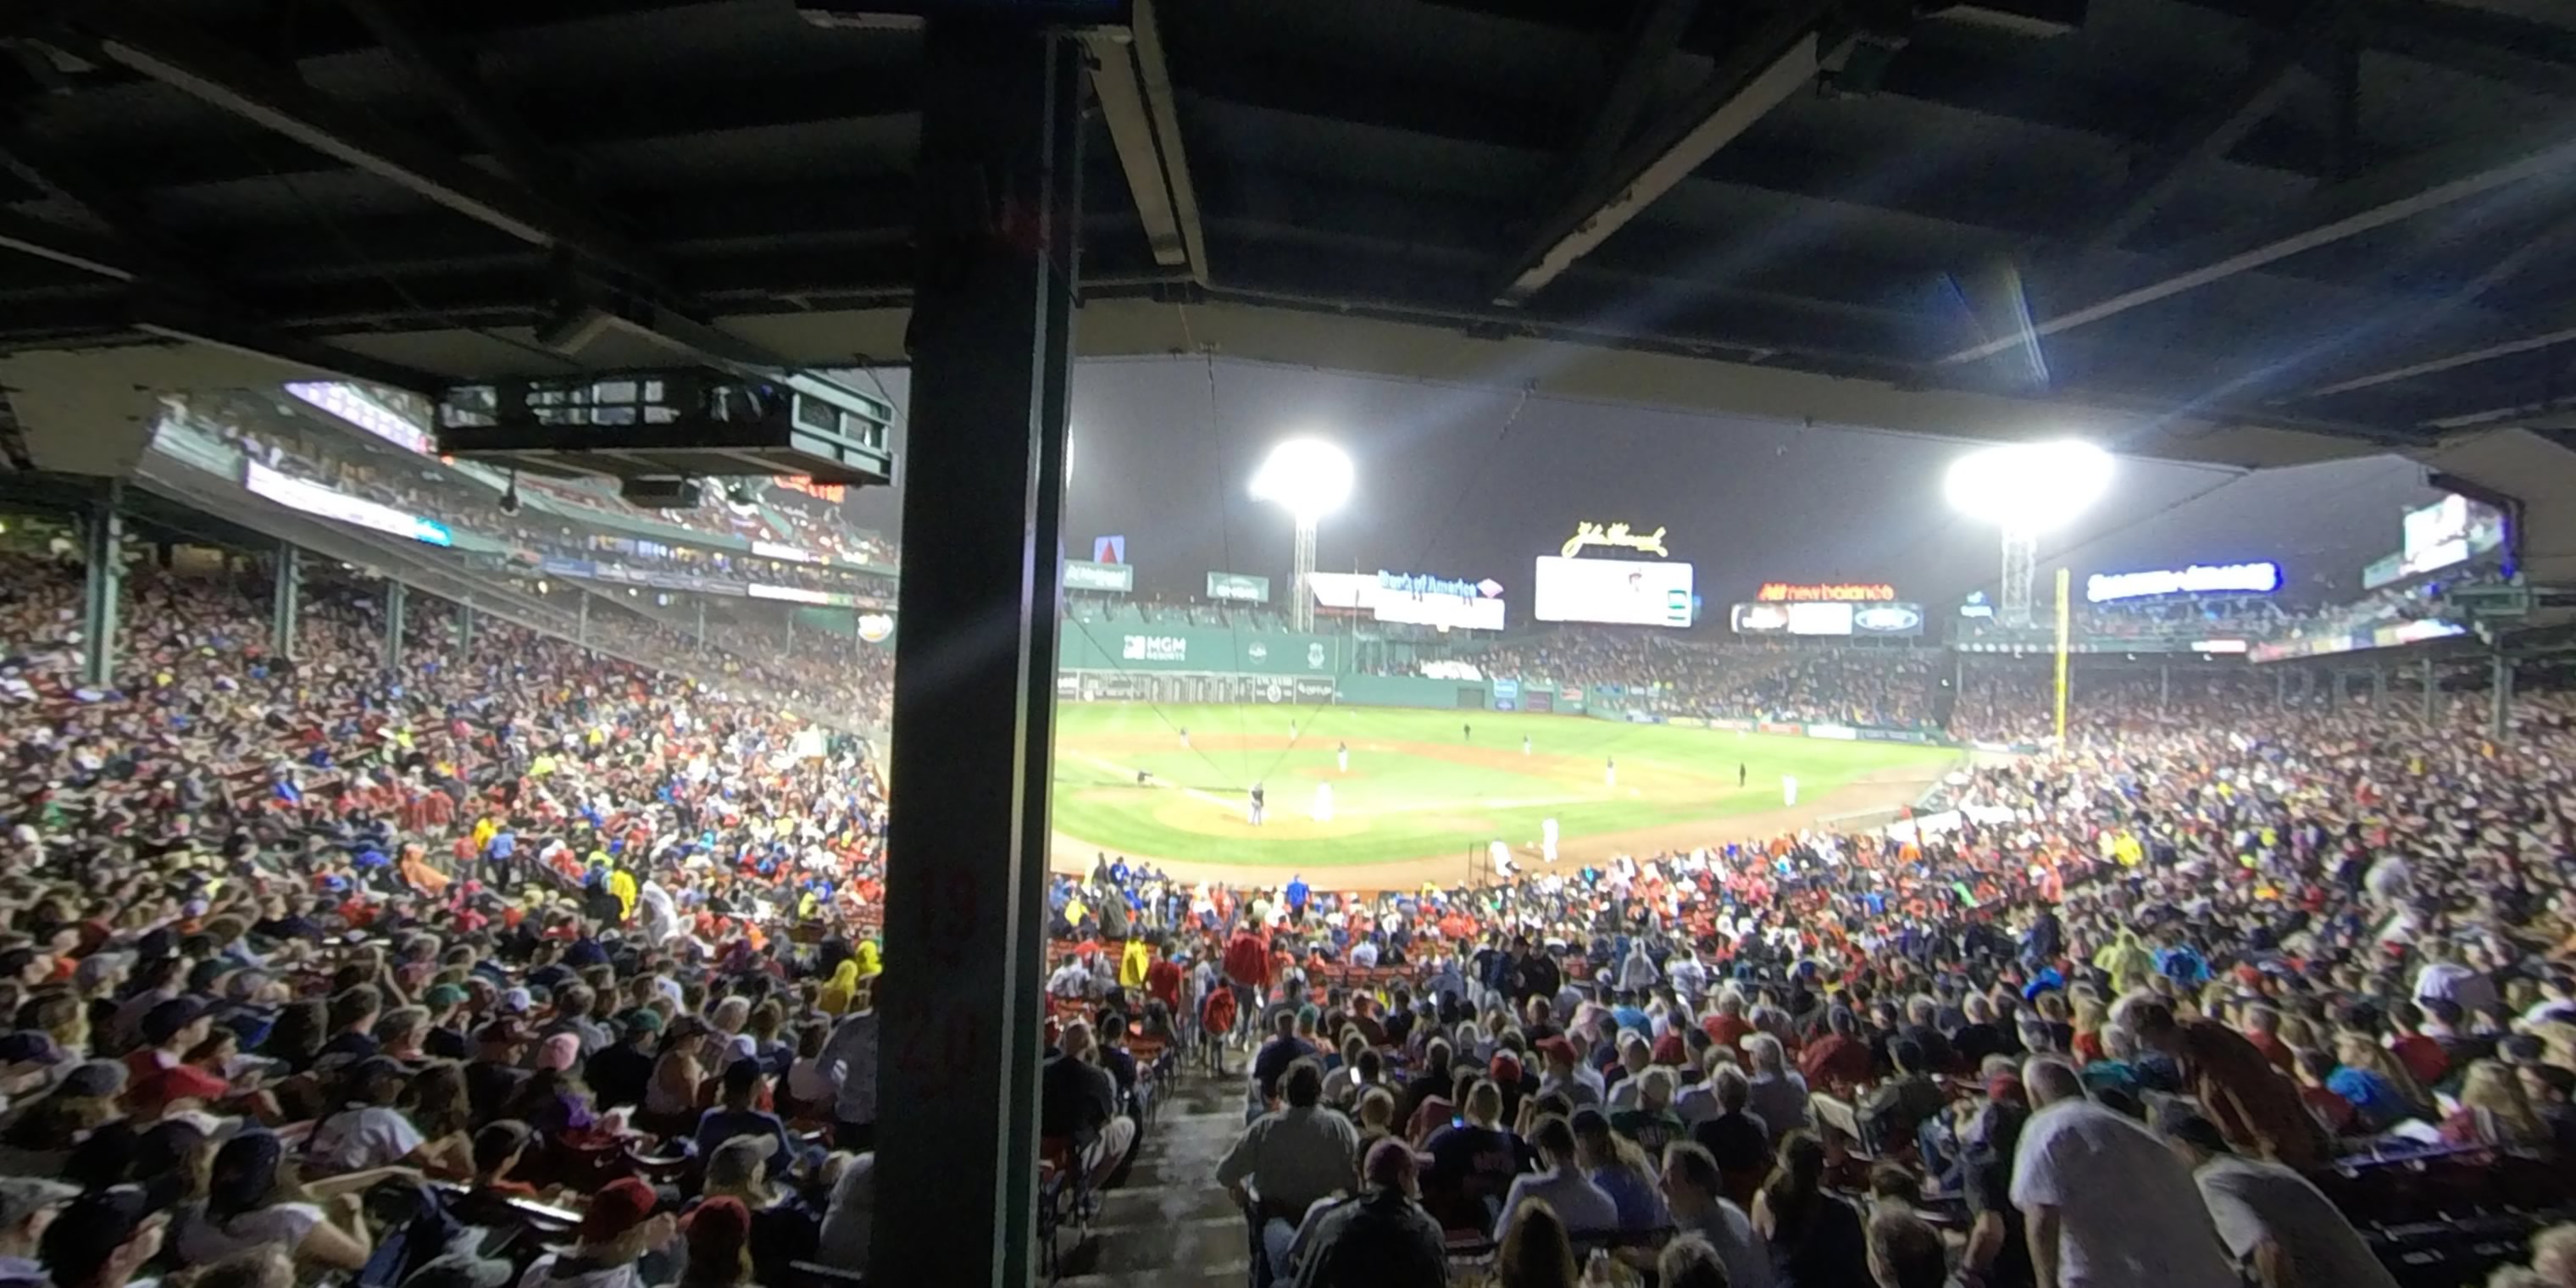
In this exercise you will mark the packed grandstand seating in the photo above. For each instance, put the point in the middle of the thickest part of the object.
(774, 515)
(314, 965)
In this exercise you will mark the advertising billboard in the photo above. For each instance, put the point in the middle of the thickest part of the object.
(1849, 592)
(313, 498)
(1240, 588)
(1085, 574)
(1834, 619)
(1820, 619)
(1619, 536)
(1887, 619)
(1447, 603)
(2198, 579)
(1443, 602)
(1760, 619)
(1617, 592)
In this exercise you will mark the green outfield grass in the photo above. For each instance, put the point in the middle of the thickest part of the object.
(1415, 788)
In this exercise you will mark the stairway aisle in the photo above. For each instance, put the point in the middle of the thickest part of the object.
(1170, 1226)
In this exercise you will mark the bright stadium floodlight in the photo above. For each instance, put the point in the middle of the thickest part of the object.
(1309, 478)
(2026, 489)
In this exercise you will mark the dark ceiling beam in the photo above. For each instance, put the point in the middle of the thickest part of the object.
(1653, 37)
(579, 117)
(153, 46)
(447, 75)
(97, 256)
(2212, 132)
(2485, 344)
(1134, 87)
(1772, 62)
(2376, 200)
(1287, 276)
(324, 31)
(2523, 52)
(253, 338)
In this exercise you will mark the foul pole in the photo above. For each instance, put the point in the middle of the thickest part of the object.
(2065, 614)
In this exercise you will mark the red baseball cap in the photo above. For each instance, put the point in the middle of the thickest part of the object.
(625, 1204)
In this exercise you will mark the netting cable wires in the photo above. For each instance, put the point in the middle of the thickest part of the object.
(1145, 694)
(1217, 458)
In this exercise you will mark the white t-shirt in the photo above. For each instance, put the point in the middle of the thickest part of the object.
(354, 1140)
(2251, 1201)
(1746, 1254)
(2129, 1213)
(1584, 1207)
(285, 1224)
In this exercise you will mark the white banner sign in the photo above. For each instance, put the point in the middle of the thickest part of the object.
(1619, 592)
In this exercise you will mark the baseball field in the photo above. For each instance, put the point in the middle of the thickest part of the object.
(1425, 787)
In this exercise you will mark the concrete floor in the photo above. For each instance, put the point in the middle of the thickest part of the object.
(1170, 1225)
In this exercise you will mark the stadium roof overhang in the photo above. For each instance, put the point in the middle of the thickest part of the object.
(2253, 232)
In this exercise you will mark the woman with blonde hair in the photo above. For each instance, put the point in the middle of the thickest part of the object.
(2495, 1111)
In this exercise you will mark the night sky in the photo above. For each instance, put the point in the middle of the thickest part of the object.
(1444, 489)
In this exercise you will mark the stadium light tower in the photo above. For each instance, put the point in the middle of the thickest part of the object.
(1309, 478)
(2026, 489)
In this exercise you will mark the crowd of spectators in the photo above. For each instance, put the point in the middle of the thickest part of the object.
(512, 929)
(1888, 687)
(302, 952)
(2148, 1011)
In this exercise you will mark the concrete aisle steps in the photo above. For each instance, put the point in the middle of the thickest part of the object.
(1170, 1226)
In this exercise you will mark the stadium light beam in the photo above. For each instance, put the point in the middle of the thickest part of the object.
(2026, 489)
(1310, 479)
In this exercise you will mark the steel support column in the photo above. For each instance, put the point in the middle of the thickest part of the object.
(2500, 695)
(974, 689)
(702, 623)
(102, 583)
(2164, 686)
(282, 606)
(464, 630)
(2432, 691)
(2379, 690)
(397, 601)
(2281, 689)
(581, 617)
(2341, 691)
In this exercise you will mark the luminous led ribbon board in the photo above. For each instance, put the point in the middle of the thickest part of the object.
(315, 499)
(2198, 579)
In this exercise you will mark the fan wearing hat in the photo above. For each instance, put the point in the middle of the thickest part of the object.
(617, 1229)
(169, 1030)
(100, 1240)
(252, 1198)
(619, 1074)
(27, 1206)
(493, 1076)
(367, 1131)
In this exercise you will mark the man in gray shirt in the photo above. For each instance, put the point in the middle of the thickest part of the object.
(1287, 1161)
(2270, 1217)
